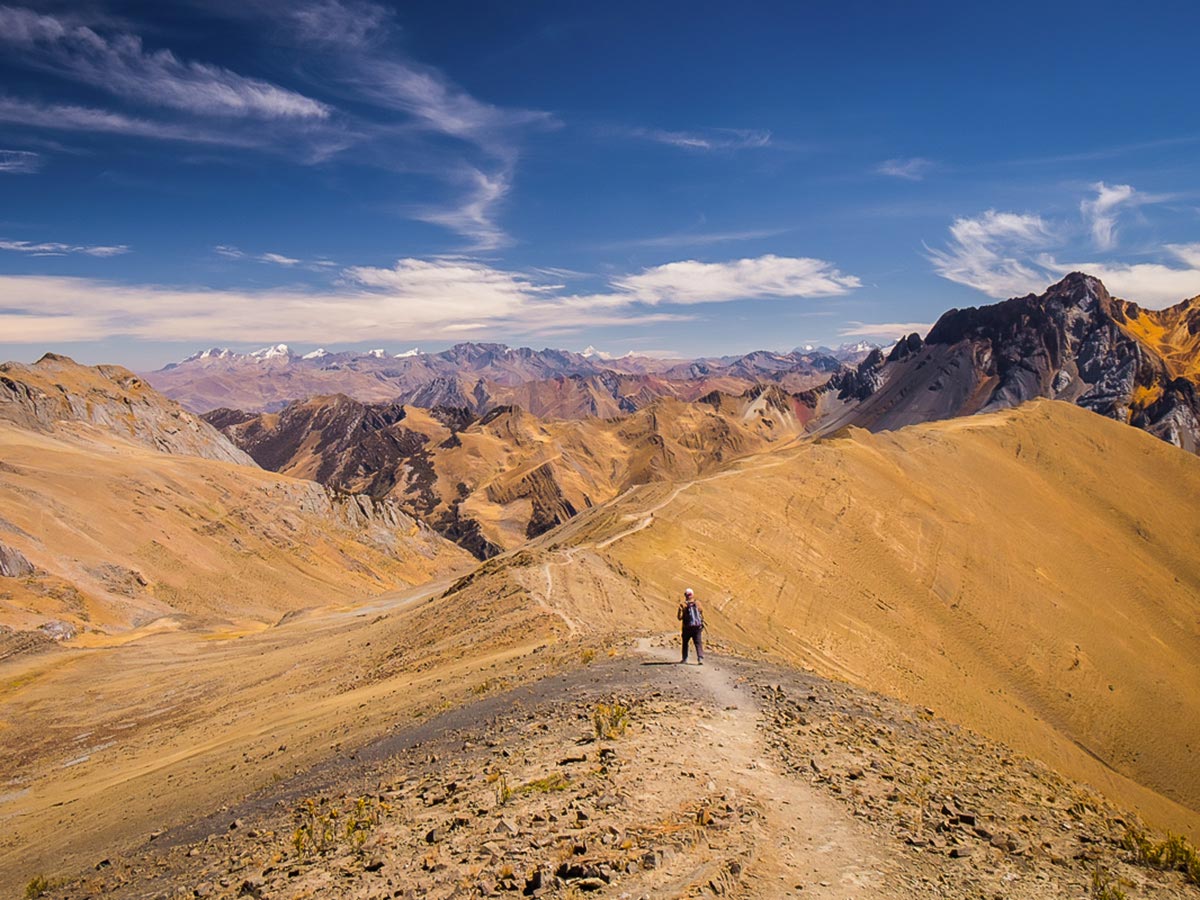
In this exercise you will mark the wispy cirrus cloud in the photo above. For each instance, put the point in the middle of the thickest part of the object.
(1100, 213)
(54, 248)
(473, 146)
(20, 162)
(992, 253)
(394, 112)
(230, 252)
(438, 105)
(699, 238)
(704, 140)
(121, 65)
(912, 169)
(415, 299)
(475, 214)
(345, 24)
(67, 117)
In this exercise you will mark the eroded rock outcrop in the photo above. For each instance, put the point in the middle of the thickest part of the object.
(56, 393)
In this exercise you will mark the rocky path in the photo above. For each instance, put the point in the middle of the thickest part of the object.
(631, 776)
(809, 843)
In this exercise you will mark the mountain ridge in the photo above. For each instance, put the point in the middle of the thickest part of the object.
(480, 376)
(1074, 342)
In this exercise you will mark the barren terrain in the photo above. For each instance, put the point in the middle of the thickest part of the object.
(1021, 584)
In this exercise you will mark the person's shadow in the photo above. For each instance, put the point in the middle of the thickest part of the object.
(661, 662)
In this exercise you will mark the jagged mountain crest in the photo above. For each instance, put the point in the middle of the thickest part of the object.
(1074, 342)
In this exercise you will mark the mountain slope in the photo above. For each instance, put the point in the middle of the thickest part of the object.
(58, 395)
(1075, 342)
(118, 508)
(493, 482)
(1031, 573)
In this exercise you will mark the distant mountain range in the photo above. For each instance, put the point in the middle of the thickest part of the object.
(482, 376)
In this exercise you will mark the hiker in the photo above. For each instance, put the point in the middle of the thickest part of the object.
(693, 623)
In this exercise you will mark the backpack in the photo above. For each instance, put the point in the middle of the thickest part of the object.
(692, 617)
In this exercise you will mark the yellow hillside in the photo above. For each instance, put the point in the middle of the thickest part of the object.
(1033, 574)
(1173, 333)
(121, 535)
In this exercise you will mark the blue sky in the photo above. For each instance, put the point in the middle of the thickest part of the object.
(684, 178)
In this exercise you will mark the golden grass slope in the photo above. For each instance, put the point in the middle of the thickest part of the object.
(1172, 333)
(1033, 574)
(123, 535)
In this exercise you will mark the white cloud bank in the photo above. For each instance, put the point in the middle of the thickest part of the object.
(887, 330)
(1007, 254)
(415, 299)
(764, 276)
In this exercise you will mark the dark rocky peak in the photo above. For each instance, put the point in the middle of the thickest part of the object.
(1078, 289)
(906, 347)
(1075, 299)
(502, 412)
(772, 394)
(456, 418)
(861, 381)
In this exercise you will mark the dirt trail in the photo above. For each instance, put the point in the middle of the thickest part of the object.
(812, 841)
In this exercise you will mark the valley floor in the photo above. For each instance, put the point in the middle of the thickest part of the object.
(739, 778)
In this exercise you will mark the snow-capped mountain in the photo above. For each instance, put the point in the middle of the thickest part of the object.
(212, 353)
(279, 351)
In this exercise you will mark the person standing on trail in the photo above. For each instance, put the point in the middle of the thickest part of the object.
(692, 618)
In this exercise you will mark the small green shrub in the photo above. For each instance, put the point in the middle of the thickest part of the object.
(1103, 887)
(610, 719)
(503, 792)
(318, 829)
(554, 782)
(38, 885)
(1175, 854)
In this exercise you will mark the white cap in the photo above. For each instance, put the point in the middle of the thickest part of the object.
(688, 592)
